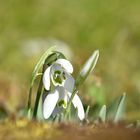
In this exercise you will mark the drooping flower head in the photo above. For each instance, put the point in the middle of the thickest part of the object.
(57, 79)
(59, 74)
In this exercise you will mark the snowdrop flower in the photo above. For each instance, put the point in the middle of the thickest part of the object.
(59, 76)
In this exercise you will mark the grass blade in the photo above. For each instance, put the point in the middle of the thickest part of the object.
(120, 109)
(87, 112)
(102, 114)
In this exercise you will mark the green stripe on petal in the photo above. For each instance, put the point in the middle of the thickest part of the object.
(62, 103)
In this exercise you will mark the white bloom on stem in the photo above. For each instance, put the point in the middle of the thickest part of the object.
(59, 74)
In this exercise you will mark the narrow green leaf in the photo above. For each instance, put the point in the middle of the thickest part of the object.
(112, 107)
(40, 63)
(40, 110)
(120, 109)
(87, 68)
(29, 114)
(36, 72)
(87, 111)
(102, 114)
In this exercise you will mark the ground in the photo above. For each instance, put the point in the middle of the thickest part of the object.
(24, 129)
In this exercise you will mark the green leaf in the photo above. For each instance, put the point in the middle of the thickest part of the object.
(120, 109)
(102, 114)
(40, 63)
(40, 110)
(87, 111)
(87, 68)
(29, 114)
(36, 72)
(112, 107)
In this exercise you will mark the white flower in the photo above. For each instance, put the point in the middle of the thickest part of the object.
(59, 74)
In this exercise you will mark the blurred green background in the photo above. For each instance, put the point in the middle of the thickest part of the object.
(29, 27)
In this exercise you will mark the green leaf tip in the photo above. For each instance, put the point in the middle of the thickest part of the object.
(90, 64)
(87, 68)
(120, 109)
(87, 111)
(102, 114)
(29, 114)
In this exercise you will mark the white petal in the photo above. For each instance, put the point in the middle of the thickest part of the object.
(78, 104)
(46, 78)
(63, 96)
(50, 103)
(69, 83)
(66, 99)
(65, 64)
(61, 93)
(55, 67)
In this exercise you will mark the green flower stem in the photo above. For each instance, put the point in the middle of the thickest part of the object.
(36, 73)
(69, 104)
(39, 93)
(30, 92)
(87, 111)
(29, 98)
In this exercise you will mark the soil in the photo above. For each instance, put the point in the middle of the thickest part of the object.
(27, 130)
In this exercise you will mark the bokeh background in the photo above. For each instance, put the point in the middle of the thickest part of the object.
(78, 27)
